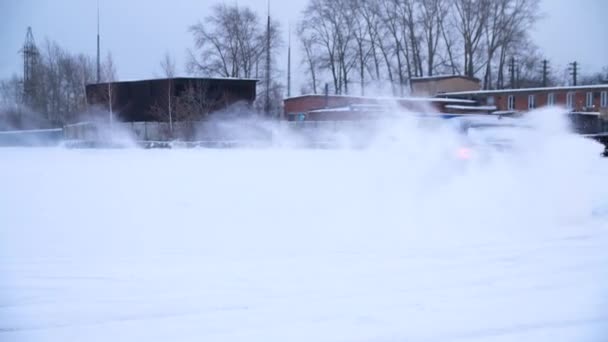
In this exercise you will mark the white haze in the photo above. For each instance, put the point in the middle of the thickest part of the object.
(392, 242)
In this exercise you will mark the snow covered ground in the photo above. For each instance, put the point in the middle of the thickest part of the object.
(302, 245)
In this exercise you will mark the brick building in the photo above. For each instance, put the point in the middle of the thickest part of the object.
(342, 107)
(587, 104)
(589, 98)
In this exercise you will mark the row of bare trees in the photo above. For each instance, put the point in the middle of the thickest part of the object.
(235, 41)
(362, 42)
(232, 41)
(350, 44)
(57, 91)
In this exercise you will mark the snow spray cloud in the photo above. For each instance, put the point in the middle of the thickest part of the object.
(410, 185)
(547, 179)
(387, 183)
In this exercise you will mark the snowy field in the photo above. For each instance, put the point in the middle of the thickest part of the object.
(386, 244)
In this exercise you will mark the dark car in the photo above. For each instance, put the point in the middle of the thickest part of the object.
(483, 137)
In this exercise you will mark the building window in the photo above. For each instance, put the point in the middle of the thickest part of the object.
(551, 99)
(511, 102)
(604, 99)
(490, 101)
(589, 100)
(531, 101)
(570, 100)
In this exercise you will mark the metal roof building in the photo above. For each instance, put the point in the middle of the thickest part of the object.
(140, 100)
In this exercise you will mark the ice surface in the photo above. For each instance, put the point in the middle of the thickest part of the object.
(302, 245)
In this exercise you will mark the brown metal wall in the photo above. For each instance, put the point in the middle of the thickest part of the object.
(133, 101)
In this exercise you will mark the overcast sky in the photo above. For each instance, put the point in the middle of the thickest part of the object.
(138, 32)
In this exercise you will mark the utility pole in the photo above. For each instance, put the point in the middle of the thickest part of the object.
(98, 52)
(267, 104)
(512, 71)
(574, 71)
(545, 72)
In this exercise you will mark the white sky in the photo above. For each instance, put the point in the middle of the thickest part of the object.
(138, 32)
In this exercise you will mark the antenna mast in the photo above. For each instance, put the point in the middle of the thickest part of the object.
(267, 104)
(289, 64)
(98, 52)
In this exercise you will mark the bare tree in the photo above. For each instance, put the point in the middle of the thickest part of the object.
(109, 77)
(529, 67)
(409, 27)
(471, 17)
(330, 24)
(11, 100)
(317, 31)
(432, 13)
(11, 92)
(368, 12)
(232, 42)
(311, 55)
(360, 43)
(58, 94)
(595, 77)
(506, 26)
(167, 65)
(344, 25)
(450, 41)
(396, 40)
(390, 16)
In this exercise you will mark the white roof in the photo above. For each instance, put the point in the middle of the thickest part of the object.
(604, 134)
(424, 78)
(486, 119)
(48, 130)
(504, 112)
(524, 90)
(389, 98)
(586, 113)
(459, 107)
(338, 109)
(179, 77)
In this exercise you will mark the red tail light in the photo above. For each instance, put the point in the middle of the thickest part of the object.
(464, 153)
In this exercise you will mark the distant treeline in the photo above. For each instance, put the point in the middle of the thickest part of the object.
(355, 43)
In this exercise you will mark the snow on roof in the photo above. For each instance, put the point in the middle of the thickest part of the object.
(504, 112)
(439, 77)
(48, 130)
(180, 78)
(389, 98)
(459, 107)
(485, 118)
(604, 134)
(586, 113)
(524, 90)
(337, 109)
